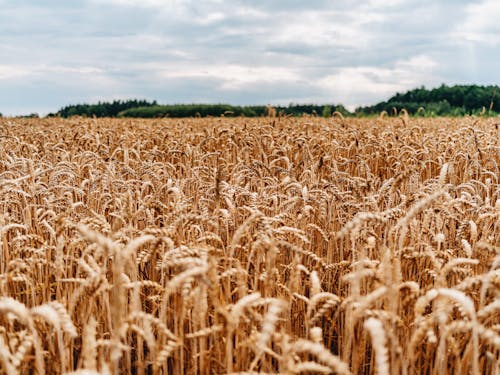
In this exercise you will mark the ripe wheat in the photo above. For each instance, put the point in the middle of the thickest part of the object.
(272, 245)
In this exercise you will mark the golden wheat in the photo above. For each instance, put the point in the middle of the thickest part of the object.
(272, 245)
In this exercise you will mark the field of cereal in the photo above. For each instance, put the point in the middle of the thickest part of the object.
(271, 245)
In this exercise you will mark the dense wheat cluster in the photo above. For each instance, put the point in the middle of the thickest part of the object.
(214, 246)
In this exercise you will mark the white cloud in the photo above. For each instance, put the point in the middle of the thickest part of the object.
(211, 18)
(233, 77)
(144, 3)
(481, 24)
(386, 3)
(356, 86)
(68, 69)
(12, 72)
(7, 72)
(325, 29)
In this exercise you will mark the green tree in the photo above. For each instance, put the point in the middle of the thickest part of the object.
(444, 100)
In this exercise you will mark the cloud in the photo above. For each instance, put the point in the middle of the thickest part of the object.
(366, 84)
(234, 77)
(55, 53)
(481, 23)
(143, 3)
(12, 72)
(324, 30)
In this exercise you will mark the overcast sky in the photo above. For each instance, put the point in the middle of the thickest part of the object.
(55, 52)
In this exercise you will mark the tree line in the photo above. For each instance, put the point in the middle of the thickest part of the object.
(145, 109)
(458, 100)
(102, 109)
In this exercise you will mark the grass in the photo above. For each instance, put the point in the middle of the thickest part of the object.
(215, 246)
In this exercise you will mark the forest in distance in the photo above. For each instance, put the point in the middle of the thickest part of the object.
(453, 101)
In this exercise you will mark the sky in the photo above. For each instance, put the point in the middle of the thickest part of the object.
(54, 53)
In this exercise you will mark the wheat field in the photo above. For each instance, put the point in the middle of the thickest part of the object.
(270, 245)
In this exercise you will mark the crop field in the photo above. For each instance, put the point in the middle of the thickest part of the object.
(264, 245)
